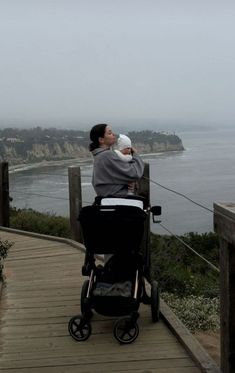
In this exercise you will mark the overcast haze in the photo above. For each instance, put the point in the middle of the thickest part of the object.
(128, 62)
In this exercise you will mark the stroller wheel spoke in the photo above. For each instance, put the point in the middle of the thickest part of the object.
(81, 333)
(131, 333)
(76, 326)
(122, 335)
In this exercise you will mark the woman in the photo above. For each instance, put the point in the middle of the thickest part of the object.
(111, 175)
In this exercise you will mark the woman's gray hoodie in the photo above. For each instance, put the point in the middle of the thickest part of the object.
(111, 175)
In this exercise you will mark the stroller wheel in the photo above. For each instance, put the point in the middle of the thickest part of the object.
(155, 301)
(83, 296)
(125, 331)
(79, 329)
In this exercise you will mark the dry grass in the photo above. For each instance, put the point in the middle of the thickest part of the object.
(211, 343)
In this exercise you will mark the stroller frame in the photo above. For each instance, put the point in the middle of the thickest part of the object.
(123, 232)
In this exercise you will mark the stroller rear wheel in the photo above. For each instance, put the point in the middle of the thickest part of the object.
(155, 301)
(125, 331)
(79, 328)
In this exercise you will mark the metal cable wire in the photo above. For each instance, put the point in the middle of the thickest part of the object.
(190, 248)
(39, 195)
(43, 195)
(48, 174)
(180, 194)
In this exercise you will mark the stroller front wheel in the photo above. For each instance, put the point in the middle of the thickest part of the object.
(79, 329)
(125, 331)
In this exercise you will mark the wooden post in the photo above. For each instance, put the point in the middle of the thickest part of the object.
(224, 225)
(4, 195)
(75, 201)
(144, 185)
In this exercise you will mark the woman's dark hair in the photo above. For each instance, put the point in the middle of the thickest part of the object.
(96, 132)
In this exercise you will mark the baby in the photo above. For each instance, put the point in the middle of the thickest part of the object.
(124, 150)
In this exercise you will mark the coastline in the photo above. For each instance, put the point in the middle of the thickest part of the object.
(80, 161)
(27, 166)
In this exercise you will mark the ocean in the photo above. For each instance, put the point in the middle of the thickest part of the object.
(204, 172)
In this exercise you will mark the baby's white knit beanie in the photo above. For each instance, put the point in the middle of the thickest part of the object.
(123, 142)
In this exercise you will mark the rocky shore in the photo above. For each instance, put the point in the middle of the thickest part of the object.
(38, 153)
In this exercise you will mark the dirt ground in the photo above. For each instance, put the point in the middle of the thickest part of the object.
(211, 343)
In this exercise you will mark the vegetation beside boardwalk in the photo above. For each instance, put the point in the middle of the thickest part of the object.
(179, 270)
(188, 284)
(4, 247)
(38, 222)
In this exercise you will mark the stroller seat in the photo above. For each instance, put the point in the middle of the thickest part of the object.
(111, 229)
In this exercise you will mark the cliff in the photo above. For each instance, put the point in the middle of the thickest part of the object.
(30, 149)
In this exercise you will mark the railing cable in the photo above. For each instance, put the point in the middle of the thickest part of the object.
(39, 195)
(190, 248)
(180, 194)
(48, 174)
(44, 195)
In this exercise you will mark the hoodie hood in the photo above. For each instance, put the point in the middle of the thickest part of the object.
(98, 151)
(123, 142)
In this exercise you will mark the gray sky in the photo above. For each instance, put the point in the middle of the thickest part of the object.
(127, 62)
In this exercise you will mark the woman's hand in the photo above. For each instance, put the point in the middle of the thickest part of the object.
(133, 151)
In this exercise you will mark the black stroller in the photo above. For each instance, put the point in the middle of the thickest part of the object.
(118, 287)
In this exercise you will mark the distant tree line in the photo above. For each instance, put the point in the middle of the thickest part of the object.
(150, 137)
(50, 135)
(45, 135)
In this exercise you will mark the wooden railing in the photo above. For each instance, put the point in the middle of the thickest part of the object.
(4, 195)
(224, 225)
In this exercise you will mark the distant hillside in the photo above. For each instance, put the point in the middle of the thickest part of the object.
(38, 144)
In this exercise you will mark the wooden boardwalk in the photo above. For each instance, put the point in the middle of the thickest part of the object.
(42, 292)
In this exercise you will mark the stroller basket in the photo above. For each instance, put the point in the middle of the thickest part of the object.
(115, 306)
(112, 229)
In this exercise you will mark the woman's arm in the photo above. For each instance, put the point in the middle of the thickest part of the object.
(122, 172)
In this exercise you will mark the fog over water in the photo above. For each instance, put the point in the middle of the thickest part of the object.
(137, 64)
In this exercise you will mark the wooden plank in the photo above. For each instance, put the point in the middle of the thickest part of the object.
(14, 334)
(39, 254)
(78, 358)
(67, 241)
(163, 366)
(62, 345)
(31, 246)
(51, 261)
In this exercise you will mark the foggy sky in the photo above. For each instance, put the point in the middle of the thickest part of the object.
(127, 62)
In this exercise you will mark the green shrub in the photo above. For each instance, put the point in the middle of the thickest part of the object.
(196, 313)
(44, 223)
(4, 247)
(178, 270)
